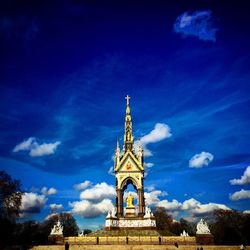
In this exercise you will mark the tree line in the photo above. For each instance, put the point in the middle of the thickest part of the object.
(229, 227)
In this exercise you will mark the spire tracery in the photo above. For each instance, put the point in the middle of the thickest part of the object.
(128, 136)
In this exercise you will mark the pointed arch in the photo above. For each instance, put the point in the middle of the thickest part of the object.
(129, 180)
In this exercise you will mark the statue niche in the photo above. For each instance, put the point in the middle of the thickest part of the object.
(130, 209)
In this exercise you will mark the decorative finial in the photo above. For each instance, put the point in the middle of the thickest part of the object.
(127, 98)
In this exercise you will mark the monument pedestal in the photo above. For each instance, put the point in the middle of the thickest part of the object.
(204, 239)
(130, 212)
(130, 223)
(56, 239)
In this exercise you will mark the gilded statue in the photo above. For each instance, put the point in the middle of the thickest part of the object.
(130, 201)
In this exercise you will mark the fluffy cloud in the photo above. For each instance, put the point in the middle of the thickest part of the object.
(245, 178)
(152, 197)
(32, 203)
(170, 205)
(99, 192)
(195, 208)
(246, 212)
(25, 145)
(44, 149)
(191, 207)
(240, 195)
(160, 132)
(89, 209)
(35, 149)
(83, 185)
(200, 160)
(198, 24)
(190, 204)
(48, 191)
(55, 207)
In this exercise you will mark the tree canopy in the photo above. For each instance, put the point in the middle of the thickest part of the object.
(10, 202)
(10, 196)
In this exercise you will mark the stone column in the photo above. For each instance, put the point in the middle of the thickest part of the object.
(140, 203)
(119, 194)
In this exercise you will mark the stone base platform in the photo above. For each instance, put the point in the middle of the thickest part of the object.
(130, 223)
(56, 239)
(204, 239)
(134, 247)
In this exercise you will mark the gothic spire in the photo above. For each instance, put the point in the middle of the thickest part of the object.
(128, 136)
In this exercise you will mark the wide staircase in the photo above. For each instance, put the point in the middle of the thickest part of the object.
(135, 247)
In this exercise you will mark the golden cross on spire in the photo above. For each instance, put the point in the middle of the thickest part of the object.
(127, 98)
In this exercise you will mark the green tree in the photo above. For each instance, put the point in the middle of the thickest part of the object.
(230, 227)
(176, 228)
(246, 229)
(87, 231)
(10, 202)
(163, 220)
(10, 196)
(187, 226)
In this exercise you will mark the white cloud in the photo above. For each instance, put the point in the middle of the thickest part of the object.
(160, 132)
(148, 164)
(246, 212)
(25, 145)
(32, 203)
(152, 198)
(170, 205)
(35, 149)
(150, 188)
(193, 208)
(200, 160)
(111, 171)
(82, 185)
(44, 149)
(99, 192)
(245, 178)
(197, 208)
(88, 209)
(55, 207)
(240, 195)
(147, 152)
(48, 191)
(190, 204)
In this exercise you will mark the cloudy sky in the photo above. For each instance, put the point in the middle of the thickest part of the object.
(66, 67)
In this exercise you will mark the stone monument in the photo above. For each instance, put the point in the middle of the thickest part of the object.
(129, 169)
(56, 234)
(203, 234)
(184, 234)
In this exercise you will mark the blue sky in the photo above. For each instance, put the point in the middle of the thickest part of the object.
(66, 68)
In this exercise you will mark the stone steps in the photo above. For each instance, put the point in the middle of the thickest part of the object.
(135, 247)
